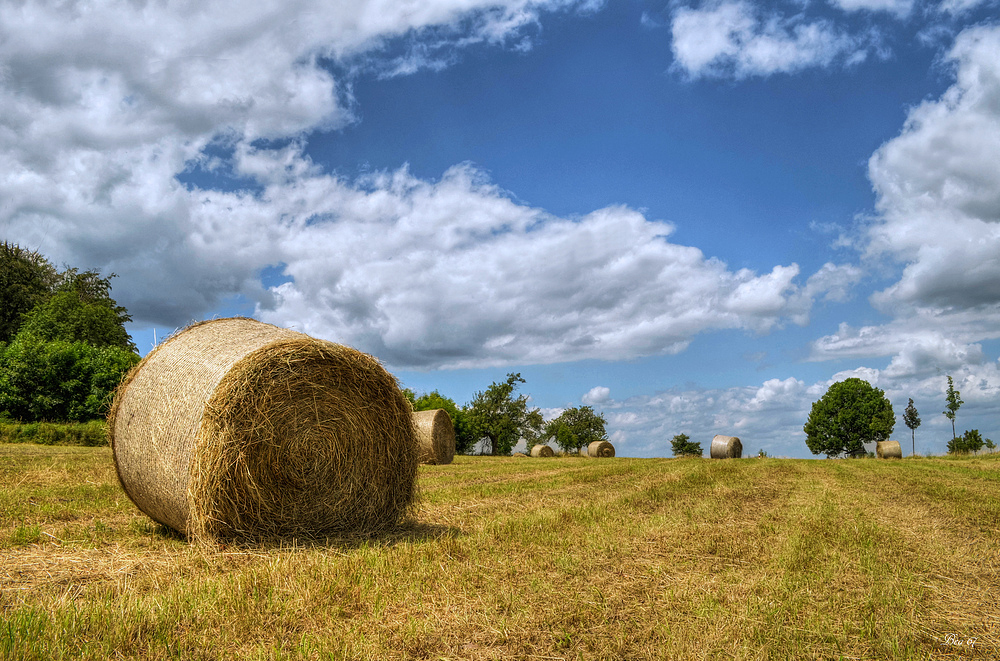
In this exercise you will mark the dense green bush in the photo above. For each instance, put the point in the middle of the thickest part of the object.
(683, 446)
(59, 381)
(970, 441)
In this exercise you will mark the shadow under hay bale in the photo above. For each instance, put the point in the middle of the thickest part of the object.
(541, 450)
(888, 450)
(435, 436)
(600, 449)
(236, 429)
(726, 447)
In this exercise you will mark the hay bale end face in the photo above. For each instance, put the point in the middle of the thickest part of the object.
(600, 449)
(236, 429)
(542, 450)
(726, 447)
(435, 436)
(888, 450)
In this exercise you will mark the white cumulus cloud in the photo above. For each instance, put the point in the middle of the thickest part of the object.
(596, 395)
(735, 38)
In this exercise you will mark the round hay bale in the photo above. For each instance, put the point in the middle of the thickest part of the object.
(726, 447)
(435, 436)
(888, 450)
(236, 429)
(542, 450)
(602, 449)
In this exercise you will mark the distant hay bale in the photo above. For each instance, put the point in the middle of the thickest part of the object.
(542, 450)
(601, 449)
(888, 450)
(726, 447)
(236, 429)
(583, 451)
(519, 455)
(435, 436)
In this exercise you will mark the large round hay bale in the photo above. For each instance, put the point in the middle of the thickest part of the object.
(726, 447)
(888, 450)
(435, 436)
(602, 449)
(542, 450)
(236, 429)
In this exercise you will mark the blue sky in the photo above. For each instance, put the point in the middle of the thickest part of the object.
(693, 216)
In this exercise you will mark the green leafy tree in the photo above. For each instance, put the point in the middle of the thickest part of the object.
(59, 381)
(81, 310)
(533, 431)
(576, 427)
(953, 403)
(971, 441)
(464, 437)
(683, 446)
(850, 414)
(912, 420)
(501, 417)
(26, 279)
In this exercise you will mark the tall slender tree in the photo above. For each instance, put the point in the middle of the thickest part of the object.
(912, 420)
(954, 401)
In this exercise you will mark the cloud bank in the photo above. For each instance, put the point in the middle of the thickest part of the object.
(105, 109)
(938, 204)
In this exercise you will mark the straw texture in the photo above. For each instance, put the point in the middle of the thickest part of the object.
(542, 450)
(435, 436)
(235, 429)
(726, 447)
(600, 449)
(888, 450)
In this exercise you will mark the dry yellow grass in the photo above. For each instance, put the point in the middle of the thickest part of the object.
(508, 559)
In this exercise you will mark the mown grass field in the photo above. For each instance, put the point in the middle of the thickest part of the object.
(512, 558)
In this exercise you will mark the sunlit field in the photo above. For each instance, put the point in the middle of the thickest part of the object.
(520, 558)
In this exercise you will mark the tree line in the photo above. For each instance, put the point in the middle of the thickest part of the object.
(498, 418)
(63, 343)
(853, 413)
